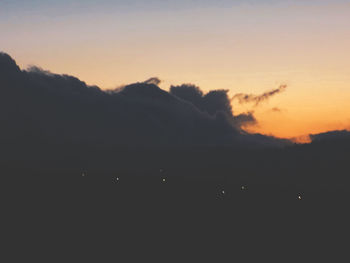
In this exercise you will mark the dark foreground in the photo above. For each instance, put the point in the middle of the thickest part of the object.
(136, 218)
(189, 205)
(177, 205)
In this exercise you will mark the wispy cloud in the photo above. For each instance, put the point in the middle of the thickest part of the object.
(258, 99)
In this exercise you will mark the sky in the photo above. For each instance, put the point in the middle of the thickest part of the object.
(242, 46)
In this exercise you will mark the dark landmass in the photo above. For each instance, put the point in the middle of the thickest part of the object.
(140, 163)
(57, 126)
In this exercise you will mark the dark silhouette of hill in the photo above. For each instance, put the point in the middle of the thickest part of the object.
(58, 126)
(49, 116)
(83, 171)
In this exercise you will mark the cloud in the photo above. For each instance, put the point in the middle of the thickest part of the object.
(188, 92)
(38, 107)
(212, 102)
(258, 99)
(8, 65)
(245, 119)
(276, 109)
(154, 80)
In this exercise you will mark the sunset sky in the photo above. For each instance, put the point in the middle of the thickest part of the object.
(249, 46)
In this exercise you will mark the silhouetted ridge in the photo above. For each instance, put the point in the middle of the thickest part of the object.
(331, 136)
(57, 124)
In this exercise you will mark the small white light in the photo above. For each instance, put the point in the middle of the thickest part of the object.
(300, 197)
(223, 192)
(163, 179)
(243, 187)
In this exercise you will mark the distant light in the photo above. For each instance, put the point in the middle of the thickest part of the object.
(164, 180)
(83, 174)
(300, 197)
(223, 192)
(243, 187)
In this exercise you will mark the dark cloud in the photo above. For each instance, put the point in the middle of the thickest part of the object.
(8, 65)
(245, 119)
(276, 109)
(217, 101)
(190, 93)
(154, 80)
(212, 102)
(38, 106)
(257, 99)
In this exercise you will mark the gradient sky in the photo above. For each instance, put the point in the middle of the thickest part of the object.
(243, 46)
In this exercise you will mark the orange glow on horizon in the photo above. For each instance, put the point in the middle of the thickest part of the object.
(302, 139)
